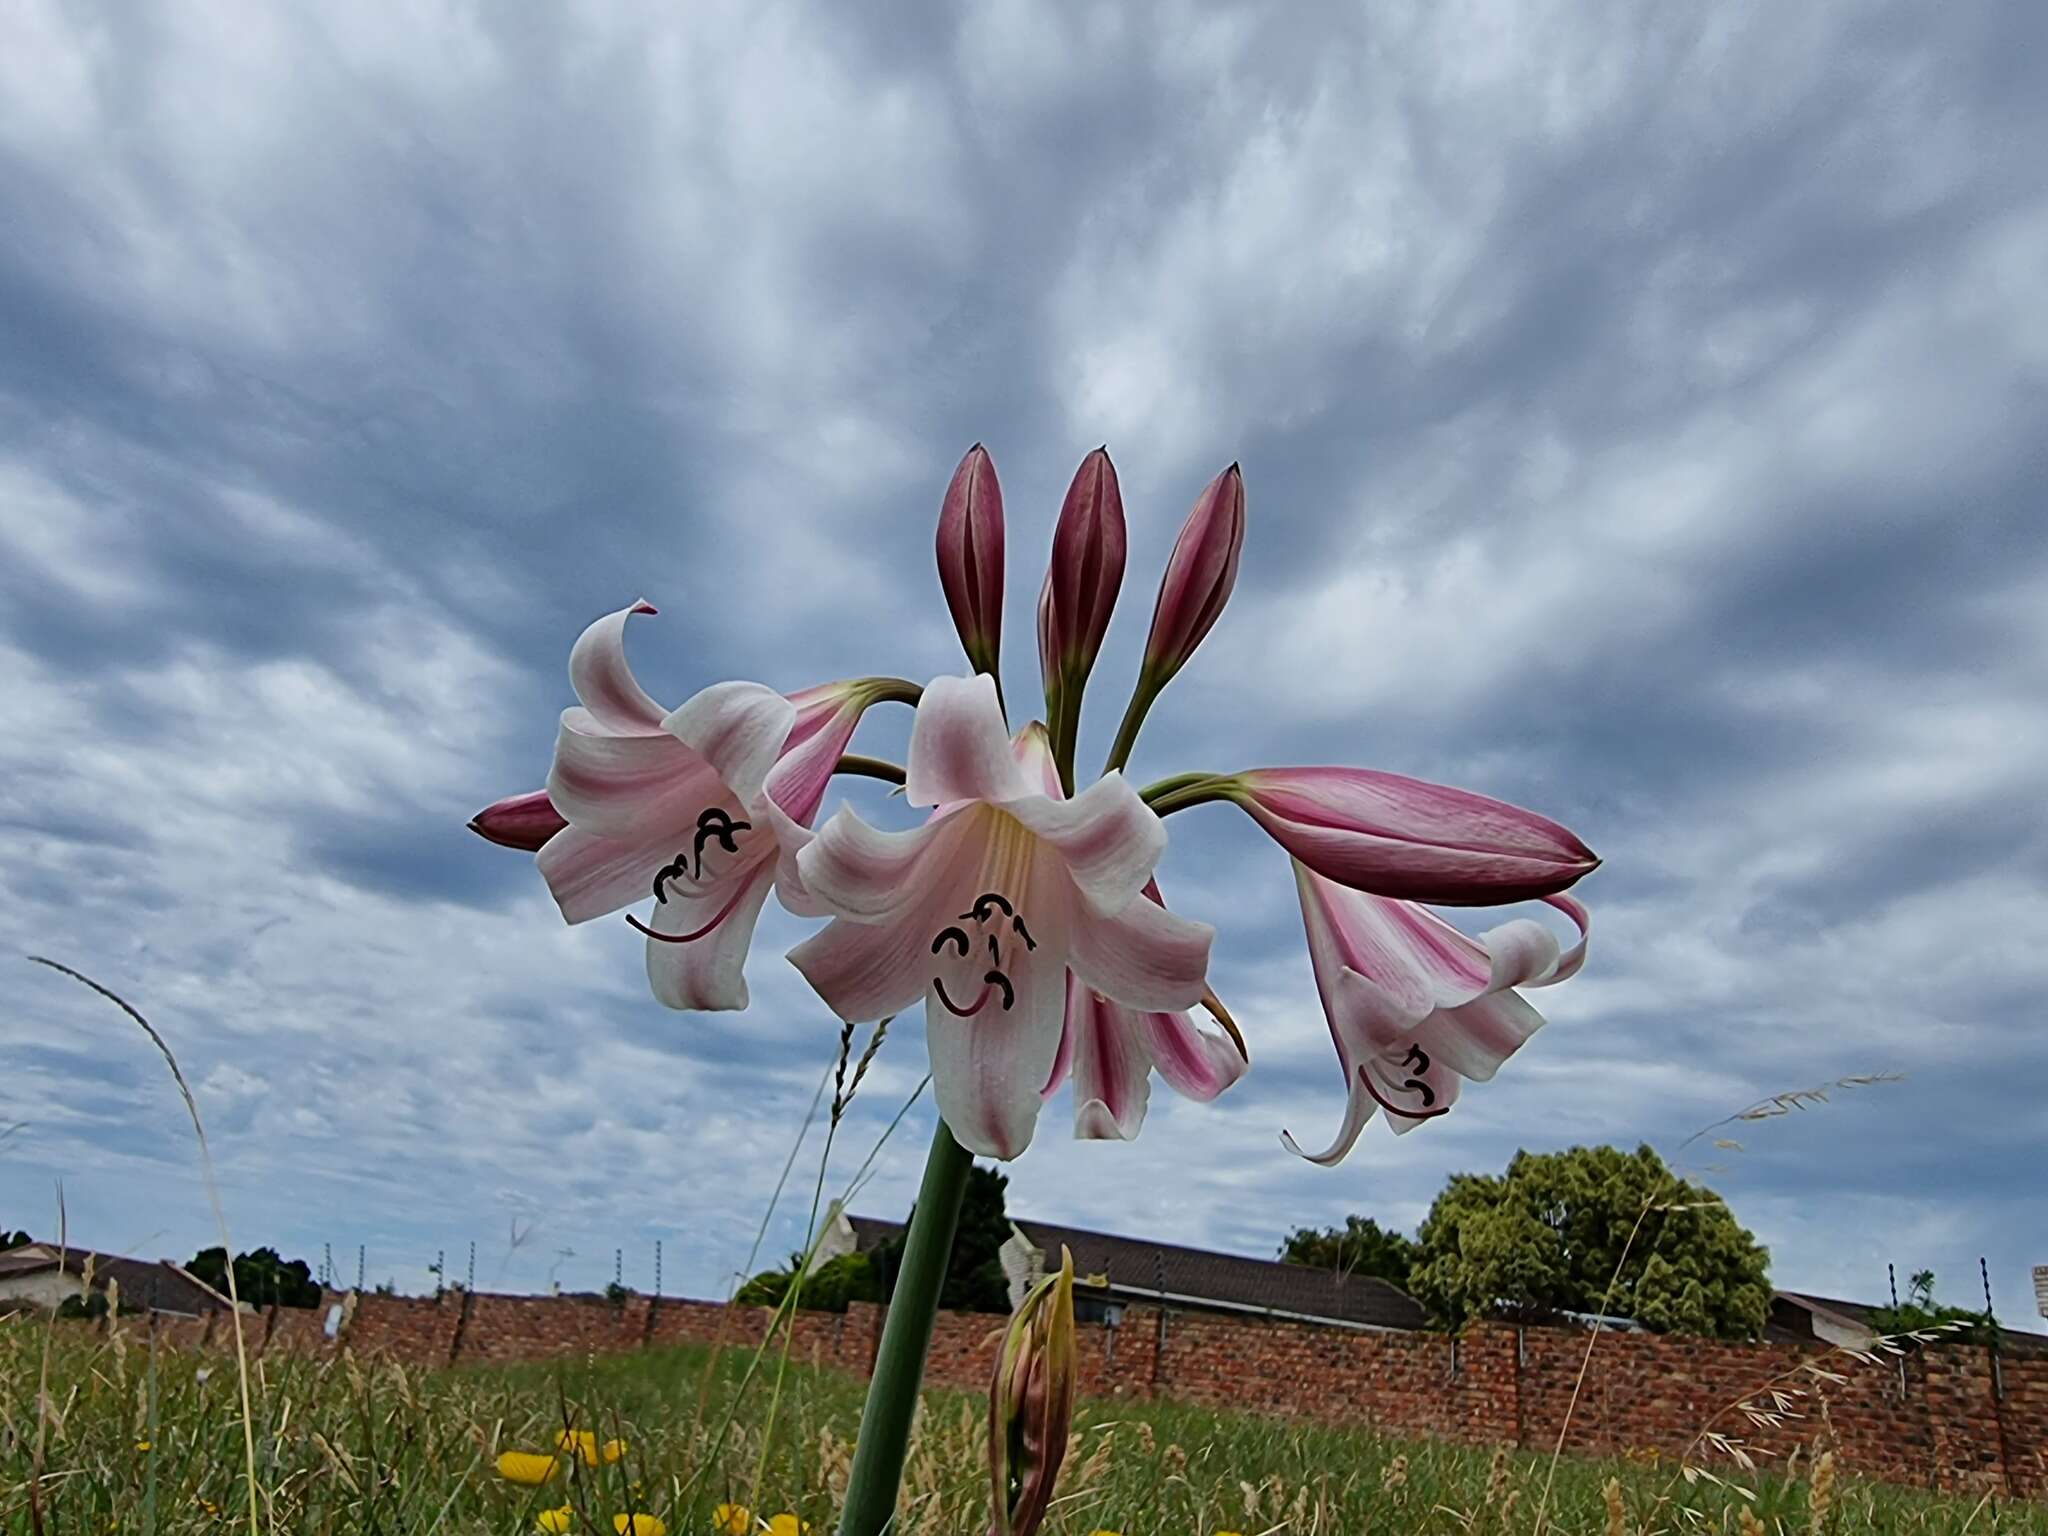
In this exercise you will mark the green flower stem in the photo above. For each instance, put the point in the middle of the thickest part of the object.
(884, 1437)
(870, 768)
(1185, 789)
(1148, 689)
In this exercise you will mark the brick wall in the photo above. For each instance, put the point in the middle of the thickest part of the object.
(1939, 1419)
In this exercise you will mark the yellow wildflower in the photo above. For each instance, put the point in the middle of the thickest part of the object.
(143, 1446)
(638, 1525)
(528, 1468)
(556, 1521)
(584, 1444)
(732, 1520)
(788, 1525)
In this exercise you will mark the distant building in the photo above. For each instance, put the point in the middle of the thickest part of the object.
(42, 1277)
(1139, 1271)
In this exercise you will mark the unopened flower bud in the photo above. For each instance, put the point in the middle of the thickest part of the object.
(1086, 573)
(1031, 1403)
(971, 557)
(1199, 576)
(525, 822)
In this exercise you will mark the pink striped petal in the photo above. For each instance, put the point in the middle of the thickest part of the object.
(1402, 837)
(1112, 1073)
(1195, 1063)
(606, 685)
(739, 729)
(1144, 957)
(1109, 838)
(959, 747)
(709, 972)
(1476, 1037)
(825, 722)
(627, 786)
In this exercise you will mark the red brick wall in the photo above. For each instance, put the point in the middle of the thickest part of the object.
(1934, 1420)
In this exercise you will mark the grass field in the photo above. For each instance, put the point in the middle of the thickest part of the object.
(131, 1441)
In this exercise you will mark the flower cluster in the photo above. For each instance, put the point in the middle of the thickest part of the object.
(1024, 910)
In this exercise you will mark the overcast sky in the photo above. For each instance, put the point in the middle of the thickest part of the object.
(1641, 411)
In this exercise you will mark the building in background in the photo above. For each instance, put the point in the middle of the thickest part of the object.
(42, 1277)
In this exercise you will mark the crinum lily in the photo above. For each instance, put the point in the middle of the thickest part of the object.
(984, 909)
(693, 808)
(1414, 1006)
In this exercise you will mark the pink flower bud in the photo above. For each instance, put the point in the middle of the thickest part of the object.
(1406, 838)
(1031, 1404)
(971, 557)
(1086, 573)
(1199, 576)
(519, 821)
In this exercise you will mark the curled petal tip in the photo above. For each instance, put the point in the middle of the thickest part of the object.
(641, 605)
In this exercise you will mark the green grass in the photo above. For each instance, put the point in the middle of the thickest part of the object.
(348, 1448)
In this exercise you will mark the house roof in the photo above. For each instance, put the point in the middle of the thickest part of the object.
(1141, 1269)
(157, 1284)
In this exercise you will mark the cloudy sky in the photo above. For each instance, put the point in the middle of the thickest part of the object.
(1641, 412)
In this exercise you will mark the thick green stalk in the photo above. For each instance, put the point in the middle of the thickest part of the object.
(1147, 690)
(884, 1437)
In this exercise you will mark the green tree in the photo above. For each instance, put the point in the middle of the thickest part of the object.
(262, 1278)
(830, 1287)
(1360, 1247)
(1548, 1238)
(974, 1275)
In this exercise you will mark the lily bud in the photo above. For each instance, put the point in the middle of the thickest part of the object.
(1393, 836)
(1199, 576)
(971, 557)
(1086, 573)
(525, 822)
(1031, 1403)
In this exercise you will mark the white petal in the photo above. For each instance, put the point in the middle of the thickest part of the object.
(988, 1069)
(738, 728)
(859, 871)
(1358, 1109)
(606, 685)
(1107, 835)
(629, 787)
(708, 973)
(865, 971)
(590, 875)
(959, 749)
(1144, 957)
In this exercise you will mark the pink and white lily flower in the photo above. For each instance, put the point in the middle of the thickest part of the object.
(1415, 1006)
(984, 909)
(687, 807)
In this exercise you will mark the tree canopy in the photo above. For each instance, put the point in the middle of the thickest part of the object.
(1360, 1247)
(262, 1278)
(13, 1239)
(974, 1276)
(1549, 1236)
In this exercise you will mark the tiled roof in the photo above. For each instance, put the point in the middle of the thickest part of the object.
(156, 1284)
(1140, 1269)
